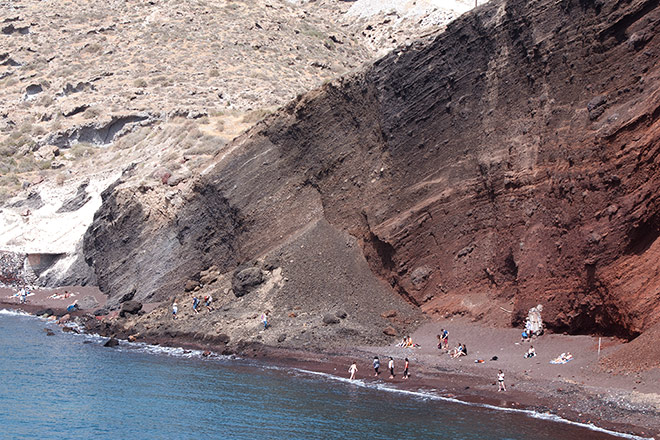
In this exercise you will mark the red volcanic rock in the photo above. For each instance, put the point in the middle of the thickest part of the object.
(512, 161)
(389, 331)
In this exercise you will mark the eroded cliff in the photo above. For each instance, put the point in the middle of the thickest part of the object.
(512, 161)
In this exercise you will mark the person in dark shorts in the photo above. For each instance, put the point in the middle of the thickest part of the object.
(390, 365)
(406, 365)
(376, 366)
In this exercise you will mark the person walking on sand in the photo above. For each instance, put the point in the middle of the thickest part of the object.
(353, 369)
(500, 381)
(175, 309)
(264, 319)
(406, 365)
(390, 365)
(445, 339)
(376, 366)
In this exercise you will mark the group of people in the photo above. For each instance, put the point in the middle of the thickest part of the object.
(407, 342)
(376, 363)
(207, 302)
(23, 294)
(443, 340)
(443, 344)
(208, 299)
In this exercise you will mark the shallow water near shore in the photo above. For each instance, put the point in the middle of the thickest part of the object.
(69, 386)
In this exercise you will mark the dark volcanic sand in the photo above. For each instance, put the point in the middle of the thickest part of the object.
(579, 391)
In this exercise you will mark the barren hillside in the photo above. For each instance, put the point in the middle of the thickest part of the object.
(89, 89)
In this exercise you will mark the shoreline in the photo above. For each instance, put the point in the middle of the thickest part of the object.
(458, 385)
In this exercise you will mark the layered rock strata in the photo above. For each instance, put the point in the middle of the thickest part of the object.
(510, 162)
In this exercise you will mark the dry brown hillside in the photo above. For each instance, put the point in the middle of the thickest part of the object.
(75, 75)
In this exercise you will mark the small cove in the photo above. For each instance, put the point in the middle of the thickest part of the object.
(69, 386)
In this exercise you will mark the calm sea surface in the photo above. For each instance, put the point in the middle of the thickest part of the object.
(68, 386)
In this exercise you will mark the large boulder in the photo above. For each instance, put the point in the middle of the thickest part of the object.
(130, 307)
(112, 342)
(245, 280)
(330, 319)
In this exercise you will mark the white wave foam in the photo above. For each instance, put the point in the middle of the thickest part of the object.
(429, 395)
(9, 312)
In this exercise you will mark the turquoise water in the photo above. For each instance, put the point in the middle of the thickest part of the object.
(68, 386)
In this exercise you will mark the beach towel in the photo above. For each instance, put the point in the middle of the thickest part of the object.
(562, 359)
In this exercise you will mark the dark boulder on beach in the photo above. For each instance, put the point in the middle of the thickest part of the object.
(112, 342)
(45, 312)
(130, 308)
(330, 319)
(245, 280)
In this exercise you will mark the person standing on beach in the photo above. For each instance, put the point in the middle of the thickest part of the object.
(175, 309)
(406, 365)
(445, 339)
(353, 369)
(376, 366)
(500, 381)
(390, 365)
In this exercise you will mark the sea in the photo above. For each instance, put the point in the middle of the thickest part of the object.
(68, 386)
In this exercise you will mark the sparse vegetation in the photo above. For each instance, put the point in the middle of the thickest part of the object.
(82, 149)
(255, 115)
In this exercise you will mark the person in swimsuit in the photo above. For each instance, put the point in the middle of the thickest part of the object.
(405, 369)
(500, 381)
(353, 369)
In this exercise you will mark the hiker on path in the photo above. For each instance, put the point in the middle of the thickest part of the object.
(175, 309)
(390, 365)
(500, 381)
(353, 369)
(376, 366)
(207, 300)
(195, 304)
(264, 319)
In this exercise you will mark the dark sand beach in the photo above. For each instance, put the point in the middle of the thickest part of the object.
(580, 390)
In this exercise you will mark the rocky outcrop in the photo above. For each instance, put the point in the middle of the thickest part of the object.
(512, 161)
(100, 133)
